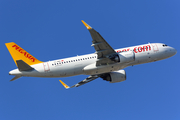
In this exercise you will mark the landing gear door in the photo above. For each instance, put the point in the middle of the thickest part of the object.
(46, 67)
(155, 48)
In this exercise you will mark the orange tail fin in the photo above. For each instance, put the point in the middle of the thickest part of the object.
(18, 53)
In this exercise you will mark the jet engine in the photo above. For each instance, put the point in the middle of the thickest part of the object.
(113, 77)
(124, 57)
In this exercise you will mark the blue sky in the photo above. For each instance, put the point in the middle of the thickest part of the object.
(52, 29)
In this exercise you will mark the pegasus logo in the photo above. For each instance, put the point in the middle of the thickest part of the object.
(26, 54)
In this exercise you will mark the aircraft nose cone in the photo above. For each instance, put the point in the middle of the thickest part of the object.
(170, 51)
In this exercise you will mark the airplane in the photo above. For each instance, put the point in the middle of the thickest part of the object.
(106, 63)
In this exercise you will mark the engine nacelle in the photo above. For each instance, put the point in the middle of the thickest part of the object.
(124, 57)
(113, 77)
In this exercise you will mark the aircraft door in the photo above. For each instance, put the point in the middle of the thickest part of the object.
(155, 48)
(46, 67)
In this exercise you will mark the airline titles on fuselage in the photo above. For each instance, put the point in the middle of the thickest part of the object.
(136, 49)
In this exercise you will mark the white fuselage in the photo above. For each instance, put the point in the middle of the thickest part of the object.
(77, 65)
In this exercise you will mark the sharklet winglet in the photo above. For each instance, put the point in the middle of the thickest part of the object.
(66, 86)
(87, 26)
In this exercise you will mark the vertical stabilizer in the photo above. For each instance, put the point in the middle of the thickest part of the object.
(18, 53)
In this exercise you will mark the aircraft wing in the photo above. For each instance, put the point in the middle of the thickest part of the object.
(89, 79)
(103, 49)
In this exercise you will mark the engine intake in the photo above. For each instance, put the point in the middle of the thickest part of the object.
(113, 77)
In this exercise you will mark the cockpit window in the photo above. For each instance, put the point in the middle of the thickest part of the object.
(164, 45)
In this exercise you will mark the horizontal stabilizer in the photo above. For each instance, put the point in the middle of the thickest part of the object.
(22, 66)
(16, 77)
